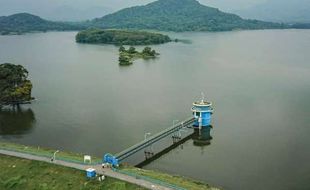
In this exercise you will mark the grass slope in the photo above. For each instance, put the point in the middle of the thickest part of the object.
(75, 157)
(21, 174)
(174, 180)
(11, 178)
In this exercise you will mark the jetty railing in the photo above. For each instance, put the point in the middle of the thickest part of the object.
(114, 160)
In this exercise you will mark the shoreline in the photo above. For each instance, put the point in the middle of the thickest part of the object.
(125, 169)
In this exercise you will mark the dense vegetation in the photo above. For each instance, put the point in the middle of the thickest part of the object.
(15, 88)
(120, 37)
(178, 15)
(24, 22)
(17, 174)
(126, 57)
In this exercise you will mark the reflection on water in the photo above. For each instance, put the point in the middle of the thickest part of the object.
(202, 137)
(16, 121)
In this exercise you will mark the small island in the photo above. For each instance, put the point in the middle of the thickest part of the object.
(120, 37)
(126, 57)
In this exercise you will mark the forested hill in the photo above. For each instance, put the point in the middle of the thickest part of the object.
(161, 15)
(24, 22)
(178, 15)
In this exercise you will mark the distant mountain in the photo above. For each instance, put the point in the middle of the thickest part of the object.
(61, 10)
(161, 15)
(67, 13)
(279, 11)
(178, 15)
(24, 22)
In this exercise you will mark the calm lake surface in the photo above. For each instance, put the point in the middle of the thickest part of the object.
(259, 82)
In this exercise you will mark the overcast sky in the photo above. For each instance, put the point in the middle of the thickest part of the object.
(89, 9)
(9, 6)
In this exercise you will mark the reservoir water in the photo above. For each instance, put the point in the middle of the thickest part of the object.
(259, 82)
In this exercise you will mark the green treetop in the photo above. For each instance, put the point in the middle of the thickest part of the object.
(132, 50)
(15, 88)
(122, 49)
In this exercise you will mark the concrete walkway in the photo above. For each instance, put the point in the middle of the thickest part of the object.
(99, 169)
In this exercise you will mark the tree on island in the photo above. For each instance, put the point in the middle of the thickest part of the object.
(147, 51)
(120, 37)
(122, 49)
(15, 88)
(126, 57)
(124, 60)
(132, 50)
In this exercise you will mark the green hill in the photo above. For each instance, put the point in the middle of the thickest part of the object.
(24, 22)
(178, 15)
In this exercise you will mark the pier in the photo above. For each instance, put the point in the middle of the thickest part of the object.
(202, 111)
(117, 158)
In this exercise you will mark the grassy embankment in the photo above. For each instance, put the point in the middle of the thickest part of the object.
(179, 181)
(61, 155)
(21, 174)
(11, 176)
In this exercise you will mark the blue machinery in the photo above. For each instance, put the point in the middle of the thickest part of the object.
(202, 112)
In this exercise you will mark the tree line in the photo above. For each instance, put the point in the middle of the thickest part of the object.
(121, 37)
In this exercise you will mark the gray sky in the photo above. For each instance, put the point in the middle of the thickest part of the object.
(9, 6)
(88, 9)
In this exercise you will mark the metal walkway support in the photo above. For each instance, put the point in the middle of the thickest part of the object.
(115, 159)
